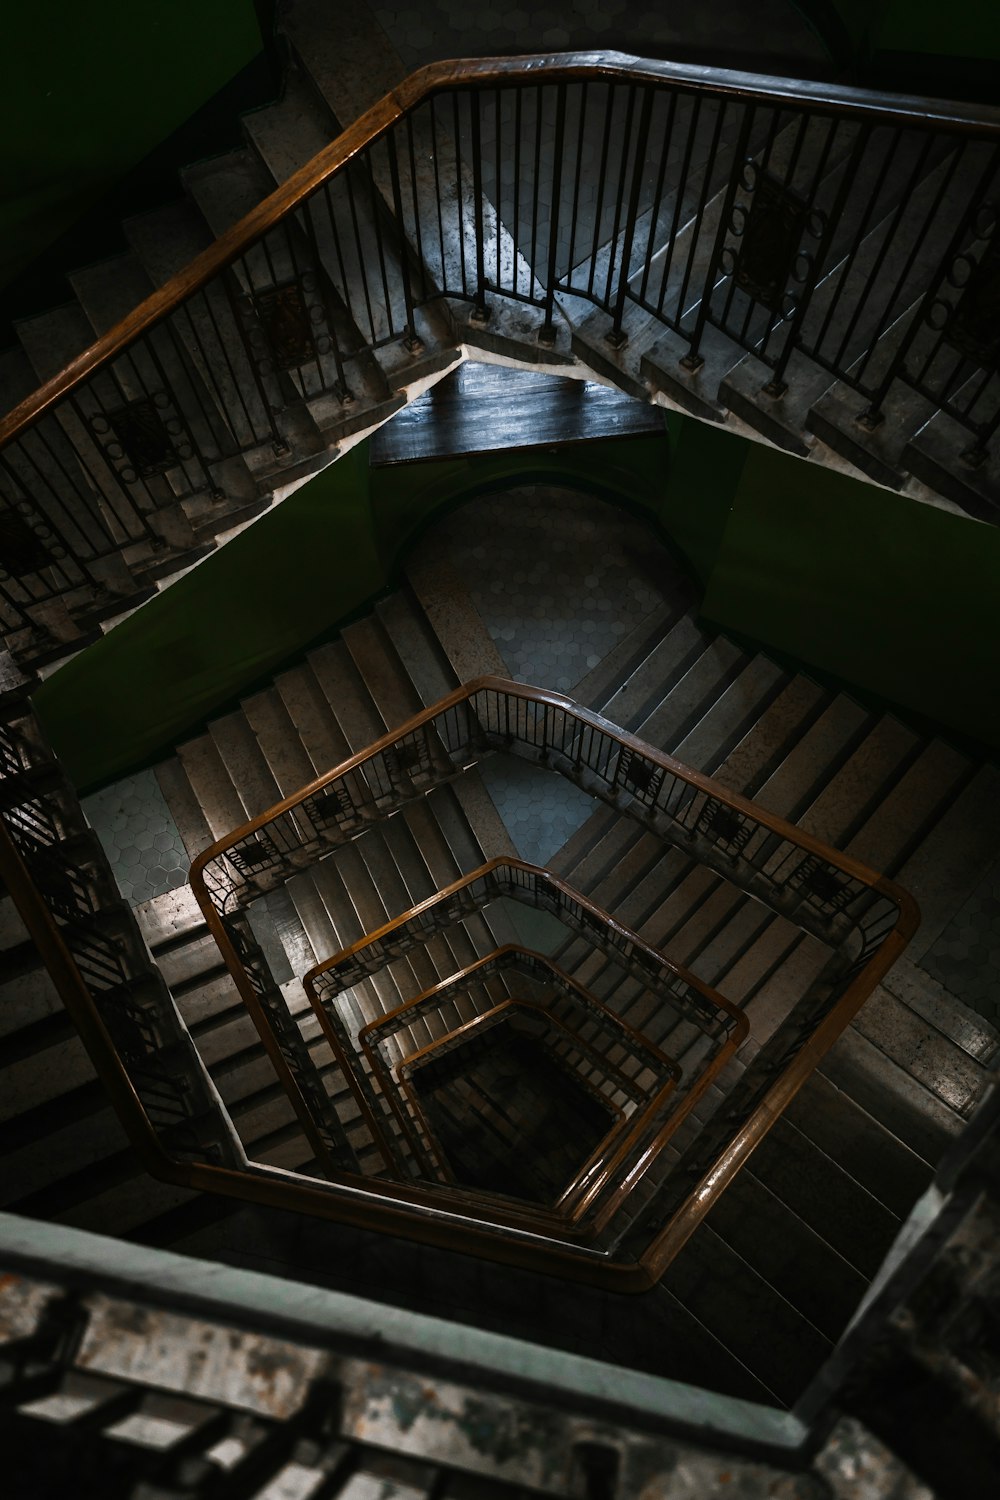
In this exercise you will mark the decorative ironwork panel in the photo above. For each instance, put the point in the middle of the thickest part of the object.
(724, 826)
(640, 775)
(286, 323)
(144, 434)
(770, 241)
(22, 550)
(974, 326)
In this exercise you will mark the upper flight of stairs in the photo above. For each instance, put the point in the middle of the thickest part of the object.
(255, 430)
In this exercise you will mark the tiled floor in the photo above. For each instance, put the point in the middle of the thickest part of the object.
(539, 808)
(133, 822)
(561, 578)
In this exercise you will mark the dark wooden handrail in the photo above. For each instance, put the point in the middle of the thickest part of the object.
(480, 73)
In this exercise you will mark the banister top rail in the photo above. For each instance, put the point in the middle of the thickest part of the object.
(908, 912)
(734, 1015)
(480, 73)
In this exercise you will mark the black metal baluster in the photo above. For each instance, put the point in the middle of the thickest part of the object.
(617, 337)
(410, 340)
(547, 333)
(777, 386)
(602, 179)
(693, 360)
(481, 312)
(675, 219)
(460, 194)
(341, 389)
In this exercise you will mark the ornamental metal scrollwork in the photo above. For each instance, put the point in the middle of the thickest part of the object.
(142, 438)
(769, 230)
(971, 325)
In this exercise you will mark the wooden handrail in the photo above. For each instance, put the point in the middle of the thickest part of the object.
(600, 1162)
(909, 914)
(480, 73)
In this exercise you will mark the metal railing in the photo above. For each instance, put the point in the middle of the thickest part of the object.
(863, 918)
(567, 1004)
(857, 230)
(159, 1088)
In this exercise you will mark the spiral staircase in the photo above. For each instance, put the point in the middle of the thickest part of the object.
(703, 979)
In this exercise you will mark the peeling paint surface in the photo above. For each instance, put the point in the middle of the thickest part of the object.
(205, 1360)
(21, 1305)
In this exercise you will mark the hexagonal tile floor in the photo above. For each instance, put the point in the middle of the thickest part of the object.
(966, 957)
(140, 837)
(562, 578)
(540, 809)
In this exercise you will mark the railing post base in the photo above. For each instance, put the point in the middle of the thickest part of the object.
(547, 335)
(413, 344)
(691, 362)
(617, 338)
(774, 389)
(974, 457)
(480, 315)
(870, 418)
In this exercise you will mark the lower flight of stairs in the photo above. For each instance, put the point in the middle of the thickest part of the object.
(799, 1236)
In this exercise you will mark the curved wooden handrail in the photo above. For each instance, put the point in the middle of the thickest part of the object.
(667, 1242)
(600, 1167)
(480, 73)
(909, 913)
(403, 1071)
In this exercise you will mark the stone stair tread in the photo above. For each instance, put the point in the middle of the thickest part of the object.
(288, 134)
(737, 709)
(315, 723)
(888, 1093)
(278, 738)
(859, 1144)
(849, 1218)
(769, 1000)
(731, 1299)
(455, 621)
(929, 999)
(930, 1057)
(953, 857)
(346, 695)
(213, 789)
(226, 187)
(653, 678)
(381, 670)
(859, 786)
(945, 455)
(416, 646)
(815, 758)
(245, 763)
(788, 1254)
(693, 695)
(775, 733)
(919, 797)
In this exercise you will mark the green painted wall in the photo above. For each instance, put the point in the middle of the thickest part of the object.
(89, 90)
(325, 554)
(898, 598)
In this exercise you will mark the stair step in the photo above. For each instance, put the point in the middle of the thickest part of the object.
(346, 695)
(859, 1144)
(953, 857)
(825, 1197)
(417, 646)
(731, 1299)
(277, 735)
(790, 1256)
(381, 670)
